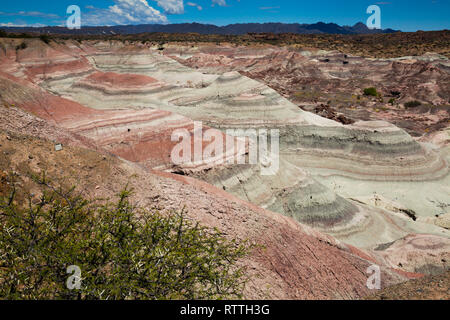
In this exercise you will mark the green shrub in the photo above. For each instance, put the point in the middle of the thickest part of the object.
(44, 38)
(22, 35)
(370, 92)
(392, 101)
(3, 34)
(122, 252)
(412, 104)
(22, 46)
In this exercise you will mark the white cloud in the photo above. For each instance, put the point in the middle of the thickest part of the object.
(30, 14)
(171, 6)
(221, 3)
(193, 4)
(123, 12)
(11, 24)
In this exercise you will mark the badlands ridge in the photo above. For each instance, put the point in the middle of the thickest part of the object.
(353, 189)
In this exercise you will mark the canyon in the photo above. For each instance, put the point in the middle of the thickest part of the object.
(362, 180)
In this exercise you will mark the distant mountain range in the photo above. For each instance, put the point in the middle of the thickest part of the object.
(232, 29)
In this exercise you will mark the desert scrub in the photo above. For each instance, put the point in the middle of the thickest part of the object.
(123, 252)
(371, 92)
(412, 104)
(44, 38)
(22, 46)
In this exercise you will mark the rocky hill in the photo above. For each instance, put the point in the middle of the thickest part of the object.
(232, 29)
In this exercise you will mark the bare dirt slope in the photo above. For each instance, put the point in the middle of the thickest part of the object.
(428, 288)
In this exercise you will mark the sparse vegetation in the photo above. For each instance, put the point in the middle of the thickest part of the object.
(371, 92)
(392, 101)
(44, 38)
(369, 45)
(412, 104)
(161, 46)
(122, 252)
(22, 46)
(307, 95)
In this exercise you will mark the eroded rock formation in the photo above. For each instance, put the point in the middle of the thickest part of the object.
(359, 181)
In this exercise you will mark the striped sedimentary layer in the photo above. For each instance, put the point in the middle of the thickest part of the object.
(291, 192)
(425, 254)
(291, 261)
(366, 150)
(143, 136)
(137, 98)
(146, 137)
(326, 207)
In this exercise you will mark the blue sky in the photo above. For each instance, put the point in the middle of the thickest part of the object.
(407, 15)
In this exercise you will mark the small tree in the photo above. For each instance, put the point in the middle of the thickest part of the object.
(22, 46)
(412, 104)
(371, 92)
(161, 46)
(45, 38)
(122, 252)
